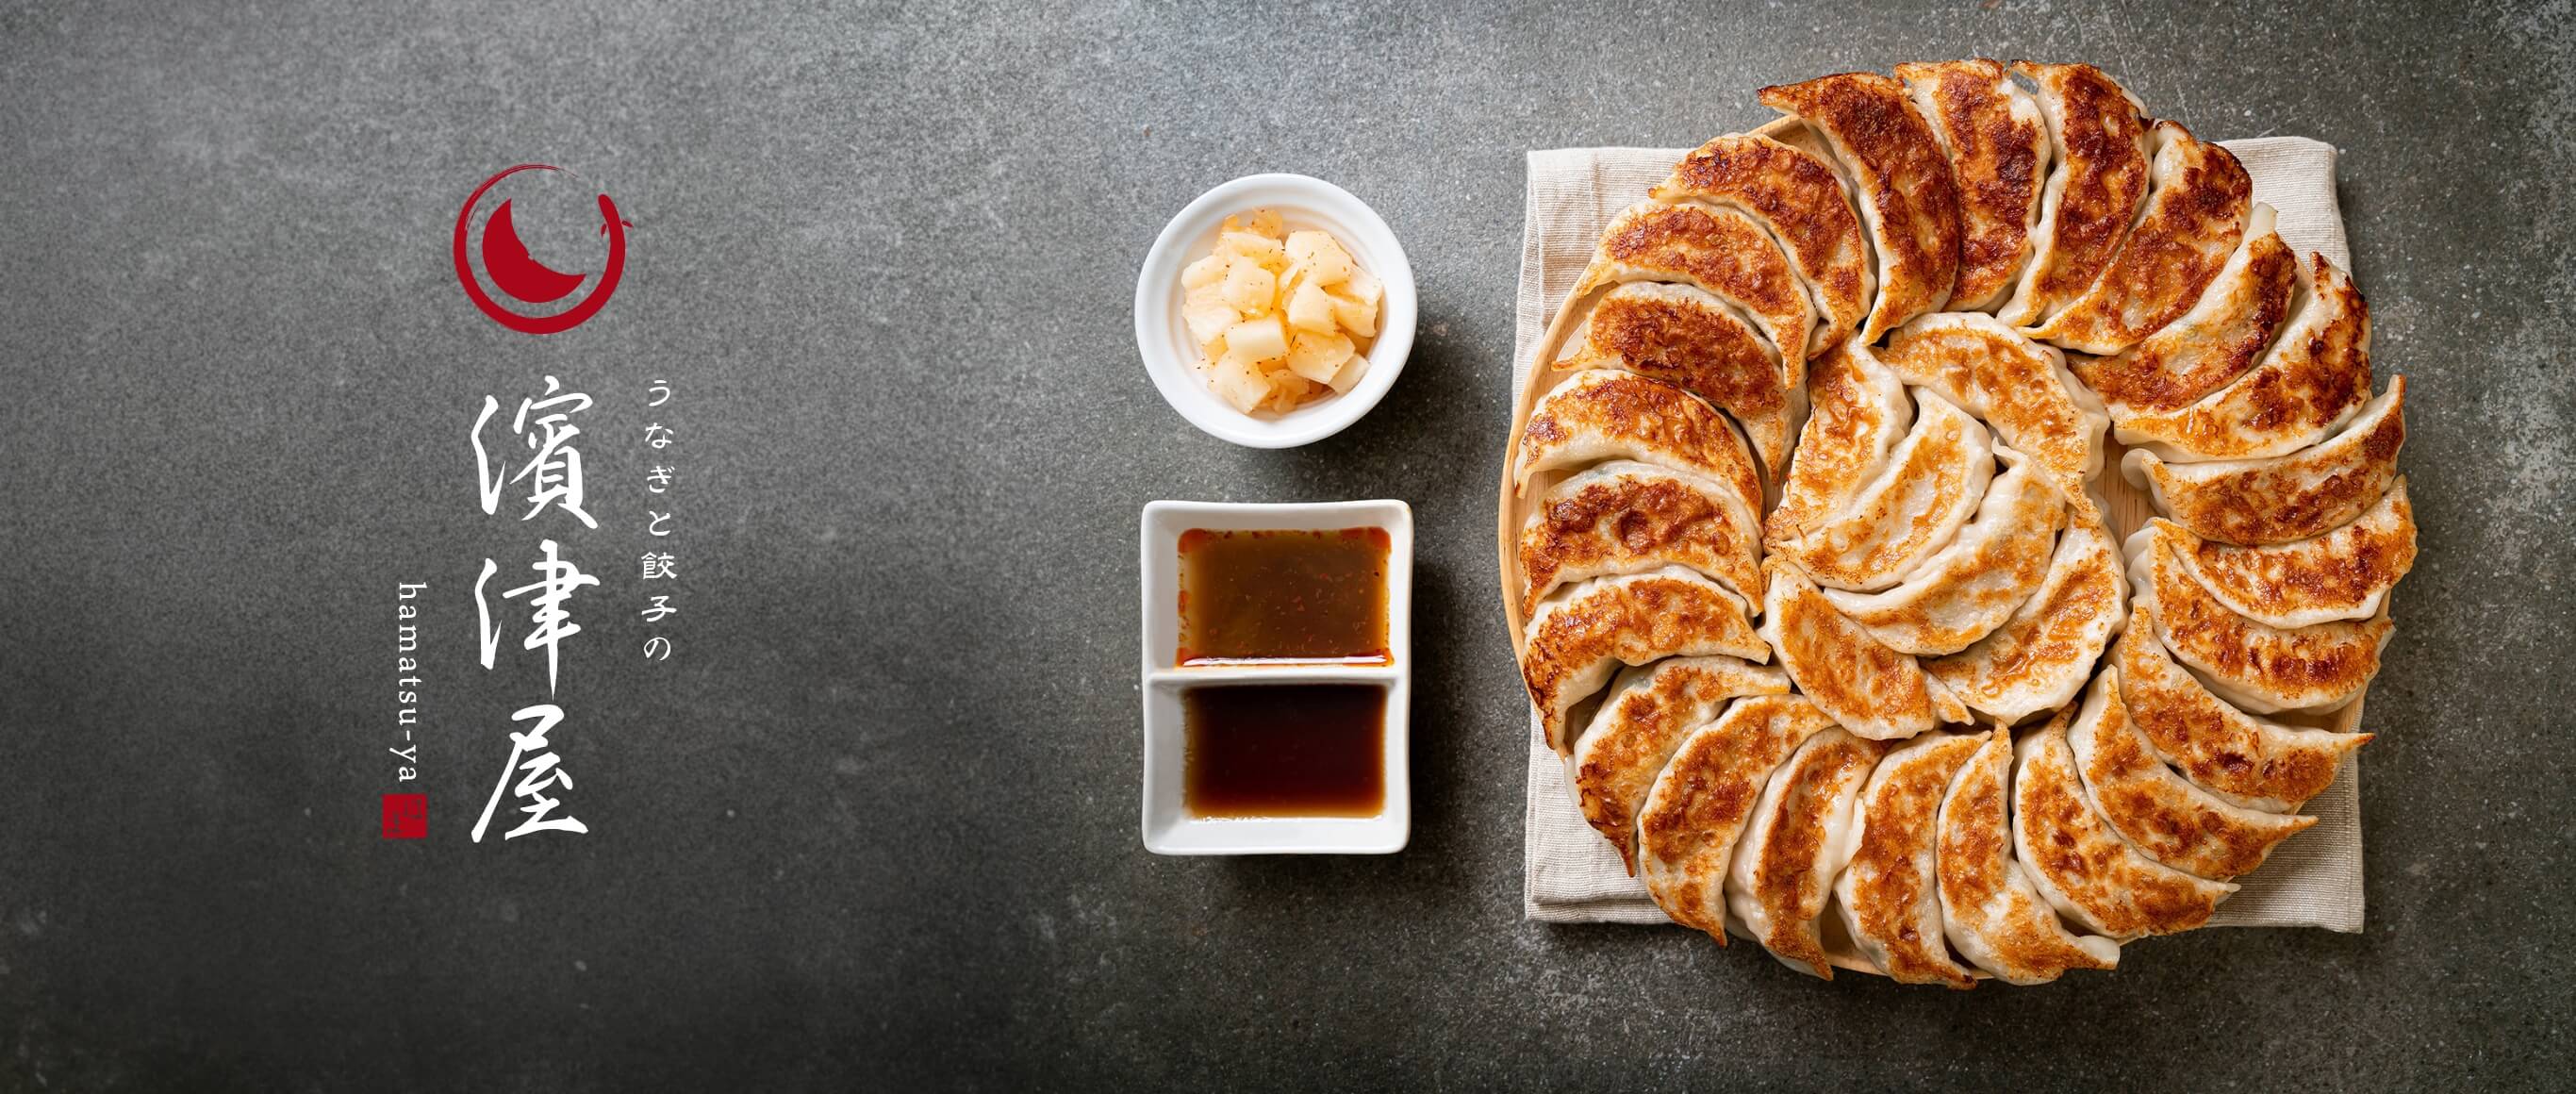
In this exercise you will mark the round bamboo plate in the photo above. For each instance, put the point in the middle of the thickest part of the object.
(2126, 507)
(2123, 506)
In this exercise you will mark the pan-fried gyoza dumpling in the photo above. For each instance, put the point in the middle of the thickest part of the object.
(2194, 217)
(2098, 139)
(1794, 844)
(2038, 659)
(2020, 388)
(1700, 344)
(2240, 758)
(2254, 503)
(2173, 821)
(1888, 895)
(1800, 200)
(2219, 339)
(1626, 517)
(1989, 909)
(2087, 872)
(1998, 147)
(1928, 488)
(1872, 690)
(1649, 710)
(2343, 574)
(1716, 249)
(1605, 414)
(1860, 410)
(2315, 378)
(1687, 831)
(2259, 667)
(1580, 636)
(1985, 574)
(1887, 152)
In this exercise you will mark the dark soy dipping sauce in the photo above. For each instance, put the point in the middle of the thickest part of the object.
(1285, 750)
(1283, 596)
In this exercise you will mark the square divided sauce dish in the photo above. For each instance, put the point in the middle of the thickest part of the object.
(1278, 665)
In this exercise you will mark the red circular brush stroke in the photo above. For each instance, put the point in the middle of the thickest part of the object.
(542, 324)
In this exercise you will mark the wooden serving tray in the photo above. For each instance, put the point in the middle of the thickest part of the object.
(2126, 508)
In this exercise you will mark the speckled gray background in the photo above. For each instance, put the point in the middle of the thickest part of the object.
(875, 826)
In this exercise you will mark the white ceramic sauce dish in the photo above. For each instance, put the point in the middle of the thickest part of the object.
(1168, 826)
(1171, 357)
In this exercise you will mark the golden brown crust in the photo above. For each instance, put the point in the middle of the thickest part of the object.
(1974, 837)
(2194, 220)
(1904, 178)
(2157, 810)
(1998, 147)
(1630, 620)
(1872, 690)
(1857, 411)
(1638, 518)
(1799, 198)
(1716, 249)
(1694, 342)
(1604, 414)
(1791, 878)
(1977, 582)
(1988, 906)
(2222, 749)
(1703, 351)
(2176, 366)
(1913, 506)
(1639, 728)
(1890, 884)
(2306, 493)
(2086, 868)
(2342, 574)
(1687, 831)
(2042, 655)
(2013, 383)
(2314, 667)
(2101, 153)
(2314, 378)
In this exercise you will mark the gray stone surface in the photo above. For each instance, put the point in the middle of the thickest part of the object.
(875, 825)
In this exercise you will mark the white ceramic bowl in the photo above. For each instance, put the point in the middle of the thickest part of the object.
(1168, 827)
(1171, 357)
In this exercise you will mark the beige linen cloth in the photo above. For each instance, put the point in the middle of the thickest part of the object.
(1572, 875)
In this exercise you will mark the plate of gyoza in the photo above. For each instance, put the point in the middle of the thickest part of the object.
(1946, 533)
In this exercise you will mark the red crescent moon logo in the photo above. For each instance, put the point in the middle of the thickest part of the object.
(521, 277)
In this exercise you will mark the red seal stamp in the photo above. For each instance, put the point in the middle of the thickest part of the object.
(406, 816)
